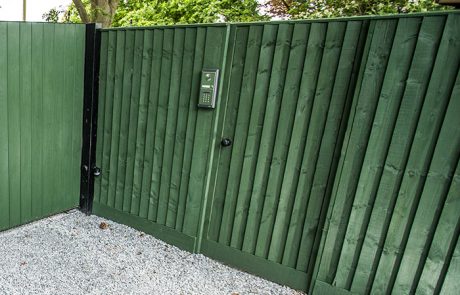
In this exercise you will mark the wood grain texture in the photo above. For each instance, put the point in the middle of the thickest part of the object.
(292, 103)
(401, 229)
(345, 147)
(41, 101)
(149, 121)
(381, 133)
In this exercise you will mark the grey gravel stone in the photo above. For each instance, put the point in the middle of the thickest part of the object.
(70, 254)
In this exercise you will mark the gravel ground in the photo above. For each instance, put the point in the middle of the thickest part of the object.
(69, 254)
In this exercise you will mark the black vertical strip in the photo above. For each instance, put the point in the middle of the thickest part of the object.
(90, 102)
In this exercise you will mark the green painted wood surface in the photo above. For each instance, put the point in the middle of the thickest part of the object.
(380, 41)
(152, 139)
(395, 229)
(423, 145)
(342, 167)
(451, 283)
(269, 170)
(41, 102)
(396, 158)
(432, 198)
(323, 288)
(380, 136)
(437, 260)
(256, 265)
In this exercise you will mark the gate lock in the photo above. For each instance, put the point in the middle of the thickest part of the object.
(96, 170)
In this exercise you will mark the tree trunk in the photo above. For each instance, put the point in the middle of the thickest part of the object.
(82, 11)
(102, 11)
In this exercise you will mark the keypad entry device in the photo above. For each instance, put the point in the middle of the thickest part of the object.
(208, 88)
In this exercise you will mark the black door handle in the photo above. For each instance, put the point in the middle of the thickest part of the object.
(226, 142)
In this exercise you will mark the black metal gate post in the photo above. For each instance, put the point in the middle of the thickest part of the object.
(90, 102)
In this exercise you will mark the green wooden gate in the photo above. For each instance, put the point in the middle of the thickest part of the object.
(286, 101)
(153, 143)
(41, 103)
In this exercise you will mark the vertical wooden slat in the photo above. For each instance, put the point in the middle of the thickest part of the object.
(293, 72)
(138, 167)
(241, 132)
(320, 186)
(324, 271)
(263, 216)
(133, 120)
(444, 239)
(115, 120)
(321, 183)
(37, 129)
(443, 163)
(48, 103)
(4, 142)
(162, 115)
(171, 124)
(368, 94)
(25, 101)
(321, 99)
(226, 194)
(288, 140)
(256, 122)
(114, 50)
(157, 54)
(383, 125)
(431, 117)
(397, 155)
(251, 153)
(451, 283)
(68, 121)
(14, 123)
(308, 82)
(121, 202)
(200, 41)
(185, 102)
(58, 147)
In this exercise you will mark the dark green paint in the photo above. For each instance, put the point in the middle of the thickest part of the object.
(41, 102)
(344, 156)
(153, 141)
(391, 226)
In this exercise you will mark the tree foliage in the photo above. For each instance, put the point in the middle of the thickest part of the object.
(151, 12)
(336, 8)
(158, 12)
(84, 11)
(98, 11)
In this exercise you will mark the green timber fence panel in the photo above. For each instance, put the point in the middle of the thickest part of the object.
(343, 173)
(153, 142)
(394, 219)
(41, 102)
(289, 90)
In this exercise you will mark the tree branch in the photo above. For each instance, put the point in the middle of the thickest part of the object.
(82, 11)
(286, 5)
